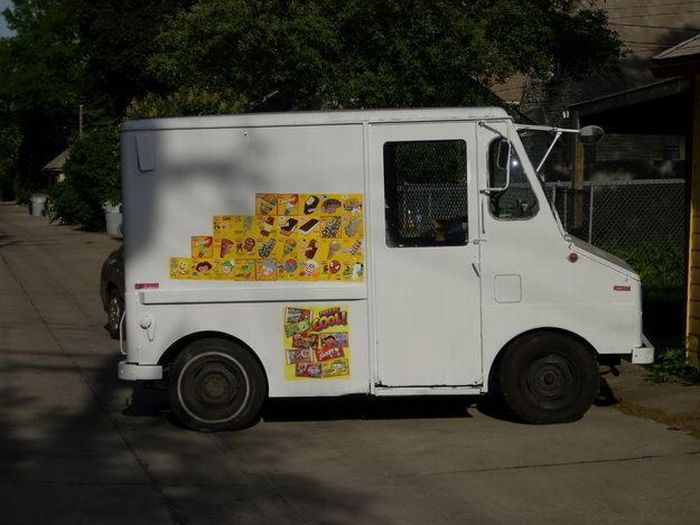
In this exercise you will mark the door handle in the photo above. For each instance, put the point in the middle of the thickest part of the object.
(477, 268)
(483, 217)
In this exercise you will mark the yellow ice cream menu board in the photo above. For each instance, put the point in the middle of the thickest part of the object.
(291, 237)
(316, 342)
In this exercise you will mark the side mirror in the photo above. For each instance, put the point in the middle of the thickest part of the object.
(503, 154)
(589, 135)
(501, 158)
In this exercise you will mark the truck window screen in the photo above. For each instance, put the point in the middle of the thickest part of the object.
(425, 191)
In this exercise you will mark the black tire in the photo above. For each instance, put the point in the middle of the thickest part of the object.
(216, 384)
(549, 378)
(115, 310)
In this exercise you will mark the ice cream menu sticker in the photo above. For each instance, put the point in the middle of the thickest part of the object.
(316, 342)
(292, 237)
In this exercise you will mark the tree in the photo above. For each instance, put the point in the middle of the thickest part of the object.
(117, 37)
(41, 71)
(92, 178)
(280, 55)
(66, 53)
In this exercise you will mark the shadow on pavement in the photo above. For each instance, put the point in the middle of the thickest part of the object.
(79, 446)
(121, 457)
(364, 407)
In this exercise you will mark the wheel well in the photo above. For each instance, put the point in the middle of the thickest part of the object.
(496, 365)
(174, 350)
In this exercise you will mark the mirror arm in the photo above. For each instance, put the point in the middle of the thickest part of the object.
(510, 153)
(532, 127)
(494, 130)
(549, 150)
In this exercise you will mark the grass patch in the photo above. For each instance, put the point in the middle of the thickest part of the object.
(670, 366)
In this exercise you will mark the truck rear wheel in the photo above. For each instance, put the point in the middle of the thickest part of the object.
(549, 378)
(216, 384)
(115, 310)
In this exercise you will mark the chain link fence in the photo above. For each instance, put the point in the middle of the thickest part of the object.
(420, 204)
(622, 215)
(641, 221)
(626, 218)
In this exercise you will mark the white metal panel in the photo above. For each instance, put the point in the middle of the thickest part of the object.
(508, 289)
(260, 326)
(316, 118)
(205, 172)
(426, 298)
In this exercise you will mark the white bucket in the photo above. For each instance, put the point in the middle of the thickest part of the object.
(37, 204)
(113, 218)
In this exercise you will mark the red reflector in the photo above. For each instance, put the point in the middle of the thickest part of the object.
(573, 257)
(146, 286)
(620, 288)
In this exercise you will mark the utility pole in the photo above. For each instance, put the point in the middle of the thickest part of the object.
(577, 181)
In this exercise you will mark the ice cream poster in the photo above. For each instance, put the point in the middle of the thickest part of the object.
(316, 342)
(291, 237)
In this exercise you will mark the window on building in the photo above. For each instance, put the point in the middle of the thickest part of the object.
(425, 189)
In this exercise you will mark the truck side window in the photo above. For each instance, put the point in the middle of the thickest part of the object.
(425, 190)
(518, 201)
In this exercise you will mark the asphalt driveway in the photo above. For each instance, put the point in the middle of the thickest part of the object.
(78, 446)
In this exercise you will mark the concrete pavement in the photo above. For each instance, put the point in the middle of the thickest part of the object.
(77, 446)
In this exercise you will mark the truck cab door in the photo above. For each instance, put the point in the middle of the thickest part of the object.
(523, 253)
(424, 268)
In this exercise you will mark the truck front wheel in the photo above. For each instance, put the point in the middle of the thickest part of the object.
(549, 378)
(215, 384)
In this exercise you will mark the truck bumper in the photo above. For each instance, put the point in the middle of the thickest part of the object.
(643, 355)
(134, 372)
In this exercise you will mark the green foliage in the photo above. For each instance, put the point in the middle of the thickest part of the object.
(660, 265)
(10, 140)
(185, 102)
(92, 178)
(428, 162)
(331, 54)
(116, 40)
(41, 71)
(670, 366)
(41, 64)
(66, 206)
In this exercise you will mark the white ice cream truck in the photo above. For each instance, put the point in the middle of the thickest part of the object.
(392, 252)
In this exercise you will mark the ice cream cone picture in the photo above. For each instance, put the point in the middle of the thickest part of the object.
(288, 204)
(266, 226)
(333, 249)
(290, 247)
(265, 204)
(227, 247)
(202, 247)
